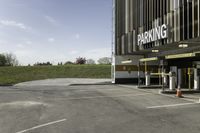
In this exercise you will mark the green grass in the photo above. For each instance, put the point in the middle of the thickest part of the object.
(13, 75)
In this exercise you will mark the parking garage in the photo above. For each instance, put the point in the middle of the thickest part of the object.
(171, 59)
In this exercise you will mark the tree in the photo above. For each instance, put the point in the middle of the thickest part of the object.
(43, 64)
(8, 59)
(68, 63)
(2, 60)
(90, 61)
(11, 59)
(104, 60)
(80, 60)
(60, 63)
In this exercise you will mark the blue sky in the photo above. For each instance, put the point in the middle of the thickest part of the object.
(55, 30)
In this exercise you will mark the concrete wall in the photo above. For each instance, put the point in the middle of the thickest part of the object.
(125, 72)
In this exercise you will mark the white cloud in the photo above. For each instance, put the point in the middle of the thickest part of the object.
(73, 52)
(3, 42)
(28, 42)
(20, 45)
(51, 40)
(51, 20)
(77, 36)
(14, 24)
(23, 53)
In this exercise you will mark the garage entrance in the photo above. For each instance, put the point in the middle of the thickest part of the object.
(175, 71)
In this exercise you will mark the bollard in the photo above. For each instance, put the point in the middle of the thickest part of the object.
(172, 76)
(196, 79)
(147, 77)
(165, 79)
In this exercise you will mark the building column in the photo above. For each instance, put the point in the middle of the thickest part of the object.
(179, 78)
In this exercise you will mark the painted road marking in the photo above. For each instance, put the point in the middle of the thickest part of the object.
(95, 97)
(118, 89)
(172, 105)
(43, 125)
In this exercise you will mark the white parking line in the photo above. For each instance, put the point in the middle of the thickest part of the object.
(85, 90)
(95, 97)
(172, 105)
(40, 126)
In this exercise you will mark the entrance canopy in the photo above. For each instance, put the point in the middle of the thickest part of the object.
(149, 59)
(185, 55)
(173, 56)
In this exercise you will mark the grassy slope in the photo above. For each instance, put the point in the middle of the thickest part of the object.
(13, 75)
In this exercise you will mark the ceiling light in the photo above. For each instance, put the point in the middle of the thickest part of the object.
(127, 61)
(155, 51)
(183, 45)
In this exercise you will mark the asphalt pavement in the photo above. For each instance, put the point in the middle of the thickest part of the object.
(88, 108)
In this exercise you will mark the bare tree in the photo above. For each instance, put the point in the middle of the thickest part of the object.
(104, 60)
(90, 61)
(11, 59)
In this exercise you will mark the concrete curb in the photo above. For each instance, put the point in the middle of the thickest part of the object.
(150, 87)
(8, 85)
(87, 84)
(183, 91)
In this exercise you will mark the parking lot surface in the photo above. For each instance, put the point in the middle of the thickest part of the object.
(101, 108)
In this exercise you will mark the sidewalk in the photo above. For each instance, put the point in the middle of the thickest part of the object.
(184, 90)
(189, 95)
(166, 90)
